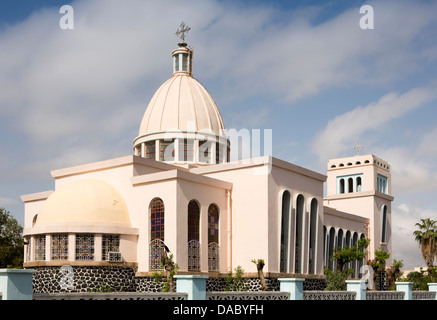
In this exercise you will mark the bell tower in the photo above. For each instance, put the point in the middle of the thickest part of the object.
(361, 185)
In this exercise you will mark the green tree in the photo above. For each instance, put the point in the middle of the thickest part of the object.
(237, 283)
(350, 253)
(378, 263)
(427, 238)
(11, 241)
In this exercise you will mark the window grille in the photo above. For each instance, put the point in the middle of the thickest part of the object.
(60, 247)
(85, 247)
(156, 250)
(194, 255)
(40, 248)
(110, 243)
(213, 256)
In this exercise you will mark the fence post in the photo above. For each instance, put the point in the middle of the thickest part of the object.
(359, 286)
(16, 284)
(194, 286)
(292, 285)
(407, 288)
(433, 287)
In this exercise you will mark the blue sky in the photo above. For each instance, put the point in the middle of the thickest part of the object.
(302, 68)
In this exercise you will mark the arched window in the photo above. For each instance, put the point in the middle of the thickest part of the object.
(384, 224)
(355, 263)
(350, 185)
(313, 234)
(193, 220)
(157, 246)
(300, 207)
(331, 245)
(341, 186)
(340, 238)
(157, 219)
(348, 238)
(35, 218)
(213, 238)
(325, 251)
(285, 231)
(193, 236)
(359, 184)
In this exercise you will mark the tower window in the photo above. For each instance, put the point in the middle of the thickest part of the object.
(382, 184)
(350, 183)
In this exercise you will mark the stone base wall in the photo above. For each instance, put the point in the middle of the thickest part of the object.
(83, 279)
(55, 279)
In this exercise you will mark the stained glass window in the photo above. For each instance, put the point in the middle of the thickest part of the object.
(110, 243)
(60, 247)
(157, 219)
(40, 248)
(85, 247)
(193, 220)
(213, 224)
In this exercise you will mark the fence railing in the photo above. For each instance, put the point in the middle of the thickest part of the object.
(424, 295)
(385, 295)
(111, 296)
(261, 295)
(193, 287)
(329, 295)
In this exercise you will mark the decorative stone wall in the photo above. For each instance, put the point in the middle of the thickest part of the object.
(148, 284)
(83, 279)
(56, 279)
(314, 285)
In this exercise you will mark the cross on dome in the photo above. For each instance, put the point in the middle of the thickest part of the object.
(183, 29)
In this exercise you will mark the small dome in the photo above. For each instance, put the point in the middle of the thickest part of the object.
(85, 201)
(182, 103)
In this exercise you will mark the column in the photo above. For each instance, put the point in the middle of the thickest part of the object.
(98, 247)
(71, 247)
(359, 286)
(292, 285)
(407, 288)
(48, 247)
(157, 150)
(433, 287)
(194, 286)
(16, 284)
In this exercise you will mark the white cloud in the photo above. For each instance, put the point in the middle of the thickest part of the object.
(404, 219)
(345, 129)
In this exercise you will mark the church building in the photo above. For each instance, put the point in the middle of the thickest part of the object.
(110, 221)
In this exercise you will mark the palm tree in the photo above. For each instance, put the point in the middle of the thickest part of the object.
(427, 238)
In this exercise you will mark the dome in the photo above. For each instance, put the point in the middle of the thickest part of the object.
(183, 104)
(182, 124)
(86, 202)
